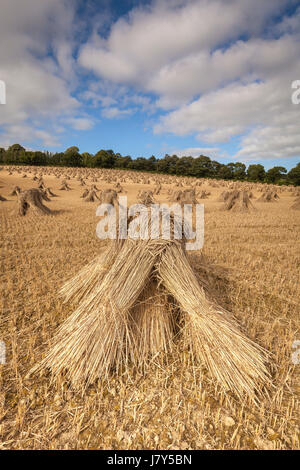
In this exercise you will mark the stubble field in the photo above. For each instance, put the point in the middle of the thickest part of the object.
(250, 262)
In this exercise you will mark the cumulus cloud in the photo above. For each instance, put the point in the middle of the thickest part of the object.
(260, 143)
(151, 37)
(262, 114)
(96, 98)
(197, 151)
(81, 124)
(255, 59)
(35, 63)
(115, 112)
(23, 133)
(219, 69)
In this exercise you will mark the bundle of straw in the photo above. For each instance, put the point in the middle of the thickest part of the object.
(139, 299)
(33, 198)
(237, 201)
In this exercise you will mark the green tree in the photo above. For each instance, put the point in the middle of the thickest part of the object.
(87, 159)
(151, 165)
(171, 162)
(225, 172)
(57, 159)
(294, 175)
(139, 164)
(162, 165)
(14, 154)
(202, 167)
(238, 170)
(73, 149)
(72, 157)
(215, 167)
(105, 159)
(184, 166)
(256, 173)
(2, 154)
(122, 162)
(16, 148)
(275, 174)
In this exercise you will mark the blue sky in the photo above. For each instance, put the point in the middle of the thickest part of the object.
(149, 78)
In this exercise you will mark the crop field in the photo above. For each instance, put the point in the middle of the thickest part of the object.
(249, 265)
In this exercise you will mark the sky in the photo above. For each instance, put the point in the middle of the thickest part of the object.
(184, 77)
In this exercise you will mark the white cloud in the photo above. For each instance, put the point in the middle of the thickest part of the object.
(166, 31)
(197, 151)
(256, 59)
(105, 101)
(264, 142)
(23, 133)
(263, 112)
(81, 124)
(142, 102)
(38, 87)
(114, 112)
(211, 83)
(182, 58)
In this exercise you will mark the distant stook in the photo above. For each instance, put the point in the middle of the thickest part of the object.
(2, 92)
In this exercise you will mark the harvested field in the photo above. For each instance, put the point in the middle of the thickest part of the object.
(249, 265)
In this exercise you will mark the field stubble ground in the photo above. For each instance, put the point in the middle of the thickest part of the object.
(251, 264)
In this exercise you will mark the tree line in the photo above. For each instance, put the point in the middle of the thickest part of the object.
(199, 167)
